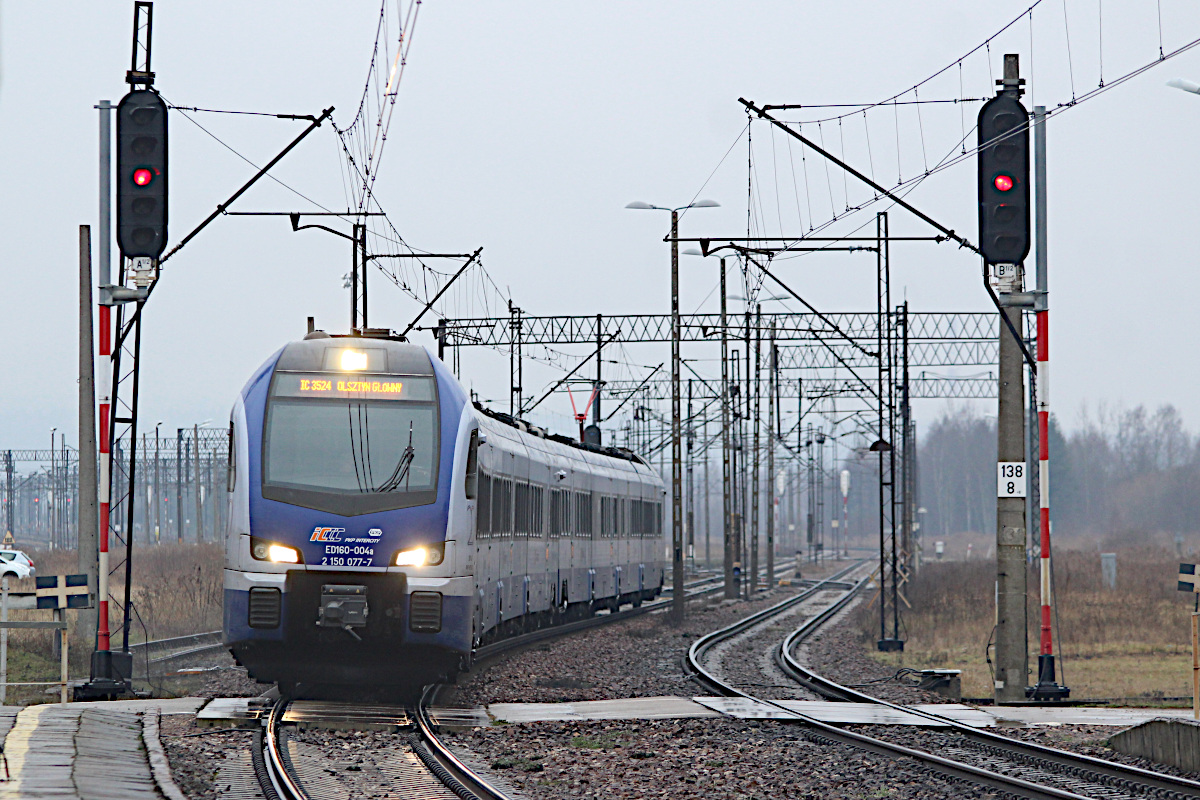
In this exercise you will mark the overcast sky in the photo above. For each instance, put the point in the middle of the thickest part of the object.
(525, 128)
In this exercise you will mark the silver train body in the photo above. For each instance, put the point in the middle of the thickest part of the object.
(383, 527)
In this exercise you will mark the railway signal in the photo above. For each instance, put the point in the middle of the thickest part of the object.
(1004, 180)
(142, 174)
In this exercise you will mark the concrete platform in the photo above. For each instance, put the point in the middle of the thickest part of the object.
(78, 751)
(1122, 717)
(1165, 740)
(847, 713)
(241, 711)
(632, 708)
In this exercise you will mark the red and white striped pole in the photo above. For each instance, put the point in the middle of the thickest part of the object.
(1047, 687)
(1043, 415)
(104, 373)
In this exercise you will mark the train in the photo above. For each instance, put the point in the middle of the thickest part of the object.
(383, 527)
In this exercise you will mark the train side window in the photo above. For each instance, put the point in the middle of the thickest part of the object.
(231, 465)
(471, 482)
(483, 509)
(539, 512)
(506, 500)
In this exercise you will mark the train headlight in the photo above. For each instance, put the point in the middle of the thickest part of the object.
(283, 555)
(426, 555)
(354, 359)
(411, 558)
(262, 550)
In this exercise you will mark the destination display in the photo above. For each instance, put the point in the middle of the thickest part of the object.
(355, 387)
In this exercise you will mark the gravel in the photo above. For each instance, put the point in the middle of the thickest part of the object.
(618, 759)
(641, 657)
(838, 653)
(693, 758)
(748, 661)
(1090, 740)
(197, 755)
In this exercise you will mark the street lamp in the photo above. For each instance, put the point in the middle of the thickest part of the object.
(678, 599)
(1187, 86)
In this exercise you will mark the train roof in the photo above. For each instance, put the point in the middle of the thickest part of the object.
(394, 357)
(522, 426)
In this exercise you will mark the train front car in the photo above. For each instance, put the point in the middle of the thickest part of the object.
(346, 565)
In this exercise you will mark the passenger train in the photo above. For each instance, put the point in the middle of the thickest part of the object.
(382, 527)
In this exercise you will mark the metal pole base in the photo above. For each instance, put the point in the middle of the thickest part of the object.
(891, 645)
(112, 672)
(1047, 688)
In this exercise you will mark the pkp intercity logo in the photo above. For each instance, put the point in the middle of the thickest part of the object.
(326, 534)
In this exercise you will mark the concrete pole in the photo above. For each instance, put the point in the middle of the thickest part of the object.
(730, 536)
(772, 500)
(1012, 657)
(1012, 646)
(179, 484)
(89, 520)
(196, 484)
(755, 463)
(158, 500)
(690, 526)
(707, 498)
(678, 601)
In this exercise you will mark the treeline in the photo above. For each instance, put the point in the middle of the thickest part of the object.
(1121, 474)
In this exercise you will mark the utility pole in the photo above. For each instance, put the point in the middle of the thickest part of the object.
(772, 385)
(179, 483)
(906, 451)
(88, 519)
(514, 361)
(691, 484)
(1012, 648)
(707, 496)
(747, 496)
(158, 500)
(196, 483)
(599, 378)
(731, 592)
(752, 586)
(678, 601)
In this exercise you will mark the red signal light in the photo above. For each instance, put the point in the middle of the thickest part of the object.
(142, 177)
(1003, 183)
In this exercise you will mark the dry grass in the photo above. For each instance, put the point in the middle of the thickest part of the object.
(1130, 642)
(176, 590)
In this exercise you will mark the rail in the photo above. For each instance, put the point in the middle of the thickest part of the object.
(1121, 774)
(824, 731)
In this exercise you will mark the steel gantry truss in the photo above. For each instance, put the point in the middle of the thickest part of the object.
(900, 353)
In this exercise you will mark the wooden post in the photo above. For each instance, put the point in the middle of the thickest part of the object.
(61, 635)
(1195, 665)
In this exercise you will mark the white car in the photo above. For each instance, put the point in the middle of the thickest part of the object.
(15, 564)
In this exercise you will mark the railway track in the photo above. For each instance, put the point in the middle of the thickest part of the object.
(425, 767)
(1088, 775)
(1014, 767)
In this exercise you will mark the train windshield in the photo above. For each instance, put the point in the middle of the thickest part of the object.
(360, 437)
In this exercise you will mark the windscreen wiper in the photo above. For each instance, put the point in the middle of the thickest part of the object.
(401, 472)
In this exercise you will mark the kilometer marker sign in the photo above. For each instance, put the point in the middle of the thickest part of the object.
(1010, 479)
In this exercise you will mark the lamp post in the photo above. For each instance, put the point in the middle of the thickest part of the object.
(678, 600)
